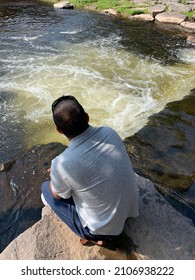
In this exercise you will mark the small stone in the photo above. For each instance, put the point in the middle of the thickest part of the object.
(63, 5)
(110, 12)
(143, 17)
(5, 166)
(191, 39)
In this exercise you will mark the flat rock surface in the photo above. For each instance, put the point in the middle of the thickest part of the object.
(143, 17)
(159, 233)
(190, 26)
(170, 17)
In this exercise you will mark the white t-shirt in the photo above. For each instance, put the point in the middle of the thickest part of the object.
(96, 171)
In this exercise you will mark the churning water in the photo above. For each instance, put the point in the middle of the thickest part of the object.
(121, 71)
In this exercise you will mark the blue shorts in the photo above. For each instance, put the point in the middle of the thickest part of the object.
(66, 210)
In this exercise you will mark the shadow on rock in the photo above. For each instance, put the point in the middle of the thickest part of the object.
(119, 248)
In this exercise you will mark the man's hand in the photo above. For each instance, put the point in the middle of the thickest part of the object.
(53, 193)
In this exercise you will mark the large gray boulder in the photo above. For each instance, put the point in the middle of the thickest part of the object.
(159, 233)
(170, 17)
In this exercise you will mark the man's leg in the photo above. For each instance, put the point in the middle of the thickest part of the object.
(66, 210)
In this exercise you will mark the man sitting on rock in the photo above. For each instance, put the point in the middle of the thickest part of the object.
(92, 187)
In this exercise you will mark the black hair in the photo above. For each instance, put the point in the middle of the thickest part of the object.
(69, 116)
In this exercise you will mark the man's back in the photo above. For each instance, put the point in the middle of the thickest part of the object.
(96, 171)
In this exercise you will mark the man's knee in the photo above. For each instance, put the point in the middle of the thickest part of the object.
(45, 189)
(45, 186)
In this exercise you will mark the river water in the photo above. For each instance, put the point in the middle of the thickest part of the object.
(121, 71)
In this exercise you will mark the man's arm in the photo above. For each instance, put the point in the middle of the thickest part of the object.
(63, 189)
(53, 193)
(51, 189)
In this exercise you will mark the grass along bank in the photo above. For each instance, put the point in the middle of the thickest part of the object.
(123, 7)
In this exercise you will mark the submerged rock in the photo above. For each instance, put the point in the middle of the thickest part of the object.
(164, 152)
(164, 149)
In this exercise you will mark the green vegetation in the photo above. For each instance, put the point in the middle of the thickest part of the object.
(83, 2)
(190, 14)
(124, 7)
(131, 10)
(106, 4)
(183, 2)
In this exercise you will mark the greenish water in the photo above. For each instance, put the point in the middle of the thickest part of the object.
(121, 71)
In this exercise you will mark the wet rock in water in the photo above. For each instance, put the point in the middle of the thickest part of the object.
(5, 166)
(30, 170)
(63, 5)
(191, 39)
(164, 152)
(20, 202)
(111, 12)
(189, 26)
(164, 149)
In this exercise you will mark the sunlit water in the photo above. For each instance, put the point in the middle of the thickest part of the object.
(119, 77)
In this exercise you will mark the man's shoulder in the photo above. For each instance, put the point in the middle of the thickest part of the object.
(61, 157)
(110, 131)
(107, 129)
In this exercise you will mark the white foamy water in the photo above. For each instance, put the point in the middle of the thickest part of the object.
(116, 86)
(188, 55)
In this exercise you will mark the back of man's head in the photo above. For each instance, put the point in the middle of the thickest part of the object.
(69, 116)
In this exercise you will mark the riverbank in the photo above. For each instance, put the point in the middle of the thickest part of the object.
(171, 14)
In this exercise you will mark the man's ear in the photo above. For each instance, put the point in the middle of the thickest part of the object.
(59, 130)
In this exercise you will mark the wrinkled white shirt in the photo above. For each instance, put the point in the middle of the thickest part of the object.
(96, 171)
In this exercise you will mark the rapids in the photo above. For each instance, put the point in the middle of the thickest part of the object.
(121, 71)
